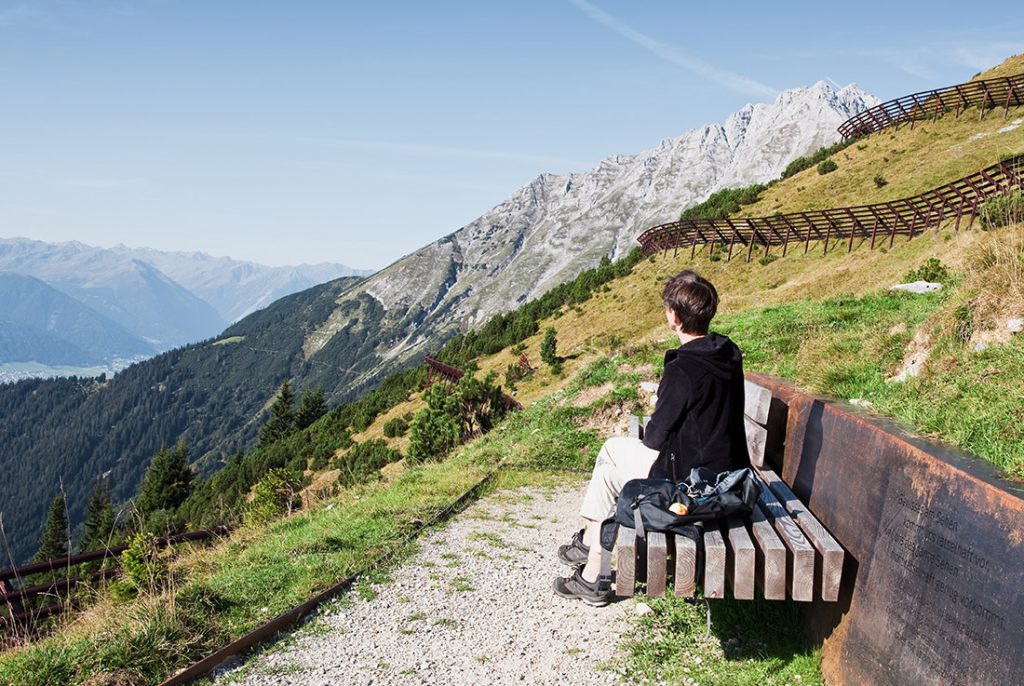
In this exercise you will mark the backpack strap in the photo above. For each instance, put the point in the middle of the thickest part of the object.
(638, 522)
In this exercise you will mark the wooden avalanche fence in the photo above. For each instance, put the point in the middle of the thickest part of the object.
(959, 201)
(984, 94)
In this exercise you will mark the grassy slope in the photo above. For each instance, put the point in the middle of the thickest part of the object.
(911, 160)
(1009, 67)
(926, 156)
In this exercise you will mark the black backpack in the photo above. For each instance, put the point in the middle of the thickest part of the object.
(643, 504)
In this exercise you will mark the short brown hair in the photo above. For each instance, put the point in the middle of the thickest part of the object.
(693, 299)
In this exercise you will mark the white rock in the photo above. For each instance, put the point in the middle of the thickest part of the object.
(1015, 325)
(917, 287)
(861, 402)
(1011, 126)
(980, 346)
(648, 386)
(643, 609)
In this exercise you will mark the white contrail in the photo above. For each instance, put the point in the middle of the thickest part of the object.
(734, 82)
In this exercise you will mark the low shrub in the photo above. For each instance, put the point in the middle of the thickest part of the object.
(273, 496)
(454, 415)
(724, 202)
(143, 567)
(364, 461)
(802, 163)
(1002, 211)
(932, 270)
(393, 428)
(827, 167)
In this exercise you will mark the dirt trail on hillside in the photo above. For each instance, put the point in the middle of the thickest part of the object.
(473, 606)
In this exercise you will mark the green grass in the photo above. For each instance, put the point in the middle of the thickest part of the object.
(461, 584)
(840, 346)
(296, 557)
(491, 539)
(848, 347)
(755, 643)
(543, 435)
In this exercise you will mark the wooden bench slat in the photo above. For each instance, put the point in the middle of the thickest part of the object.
(771, 556)
(800, 561)
(742, 559)
(757, 400)
(625, 562)
(714, 562)
(657, 563)
(831, 552)
(686, 566)
(757, 438)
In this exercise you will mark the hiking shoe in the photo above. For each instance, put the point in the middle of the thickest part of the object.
(597, 594)
(575, 553)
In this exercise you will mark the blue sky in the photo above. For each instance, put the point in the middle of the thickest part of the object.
(356, 132)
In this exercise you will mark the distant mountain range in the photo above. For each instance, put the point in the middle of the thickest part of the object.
(142, 301)
(347, 334)
(235, 288)
(38, 322)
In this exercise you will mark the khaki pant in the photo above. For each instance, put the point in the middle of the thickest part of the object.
(621, 459)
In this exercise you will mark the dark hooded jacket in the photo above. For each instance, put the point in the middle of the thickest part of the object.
(698, 419)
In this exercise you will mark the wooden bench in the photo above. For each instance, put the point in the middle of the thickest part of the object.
(780, 547)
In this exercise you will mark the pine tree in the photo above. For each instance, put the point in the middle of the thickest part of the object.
(435, 429)
(54, 541)
(282, 416)
(312, 407)
(99, 518)
(167, 483)
(549, 347)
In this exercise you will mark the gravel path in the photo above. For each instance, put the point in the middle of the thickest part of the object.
(473, 606)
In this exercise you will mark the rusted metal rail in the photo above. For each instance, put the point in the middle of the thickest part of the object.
(957, 201)
(452, 375)
(13, 598)
(58, 564)
(985, 94)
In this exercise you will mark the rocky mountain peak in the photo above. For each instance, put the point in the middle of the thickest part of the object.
(557, 225)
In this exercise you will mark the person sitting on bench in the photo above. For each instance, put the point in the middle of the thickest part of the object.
(697, 422)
